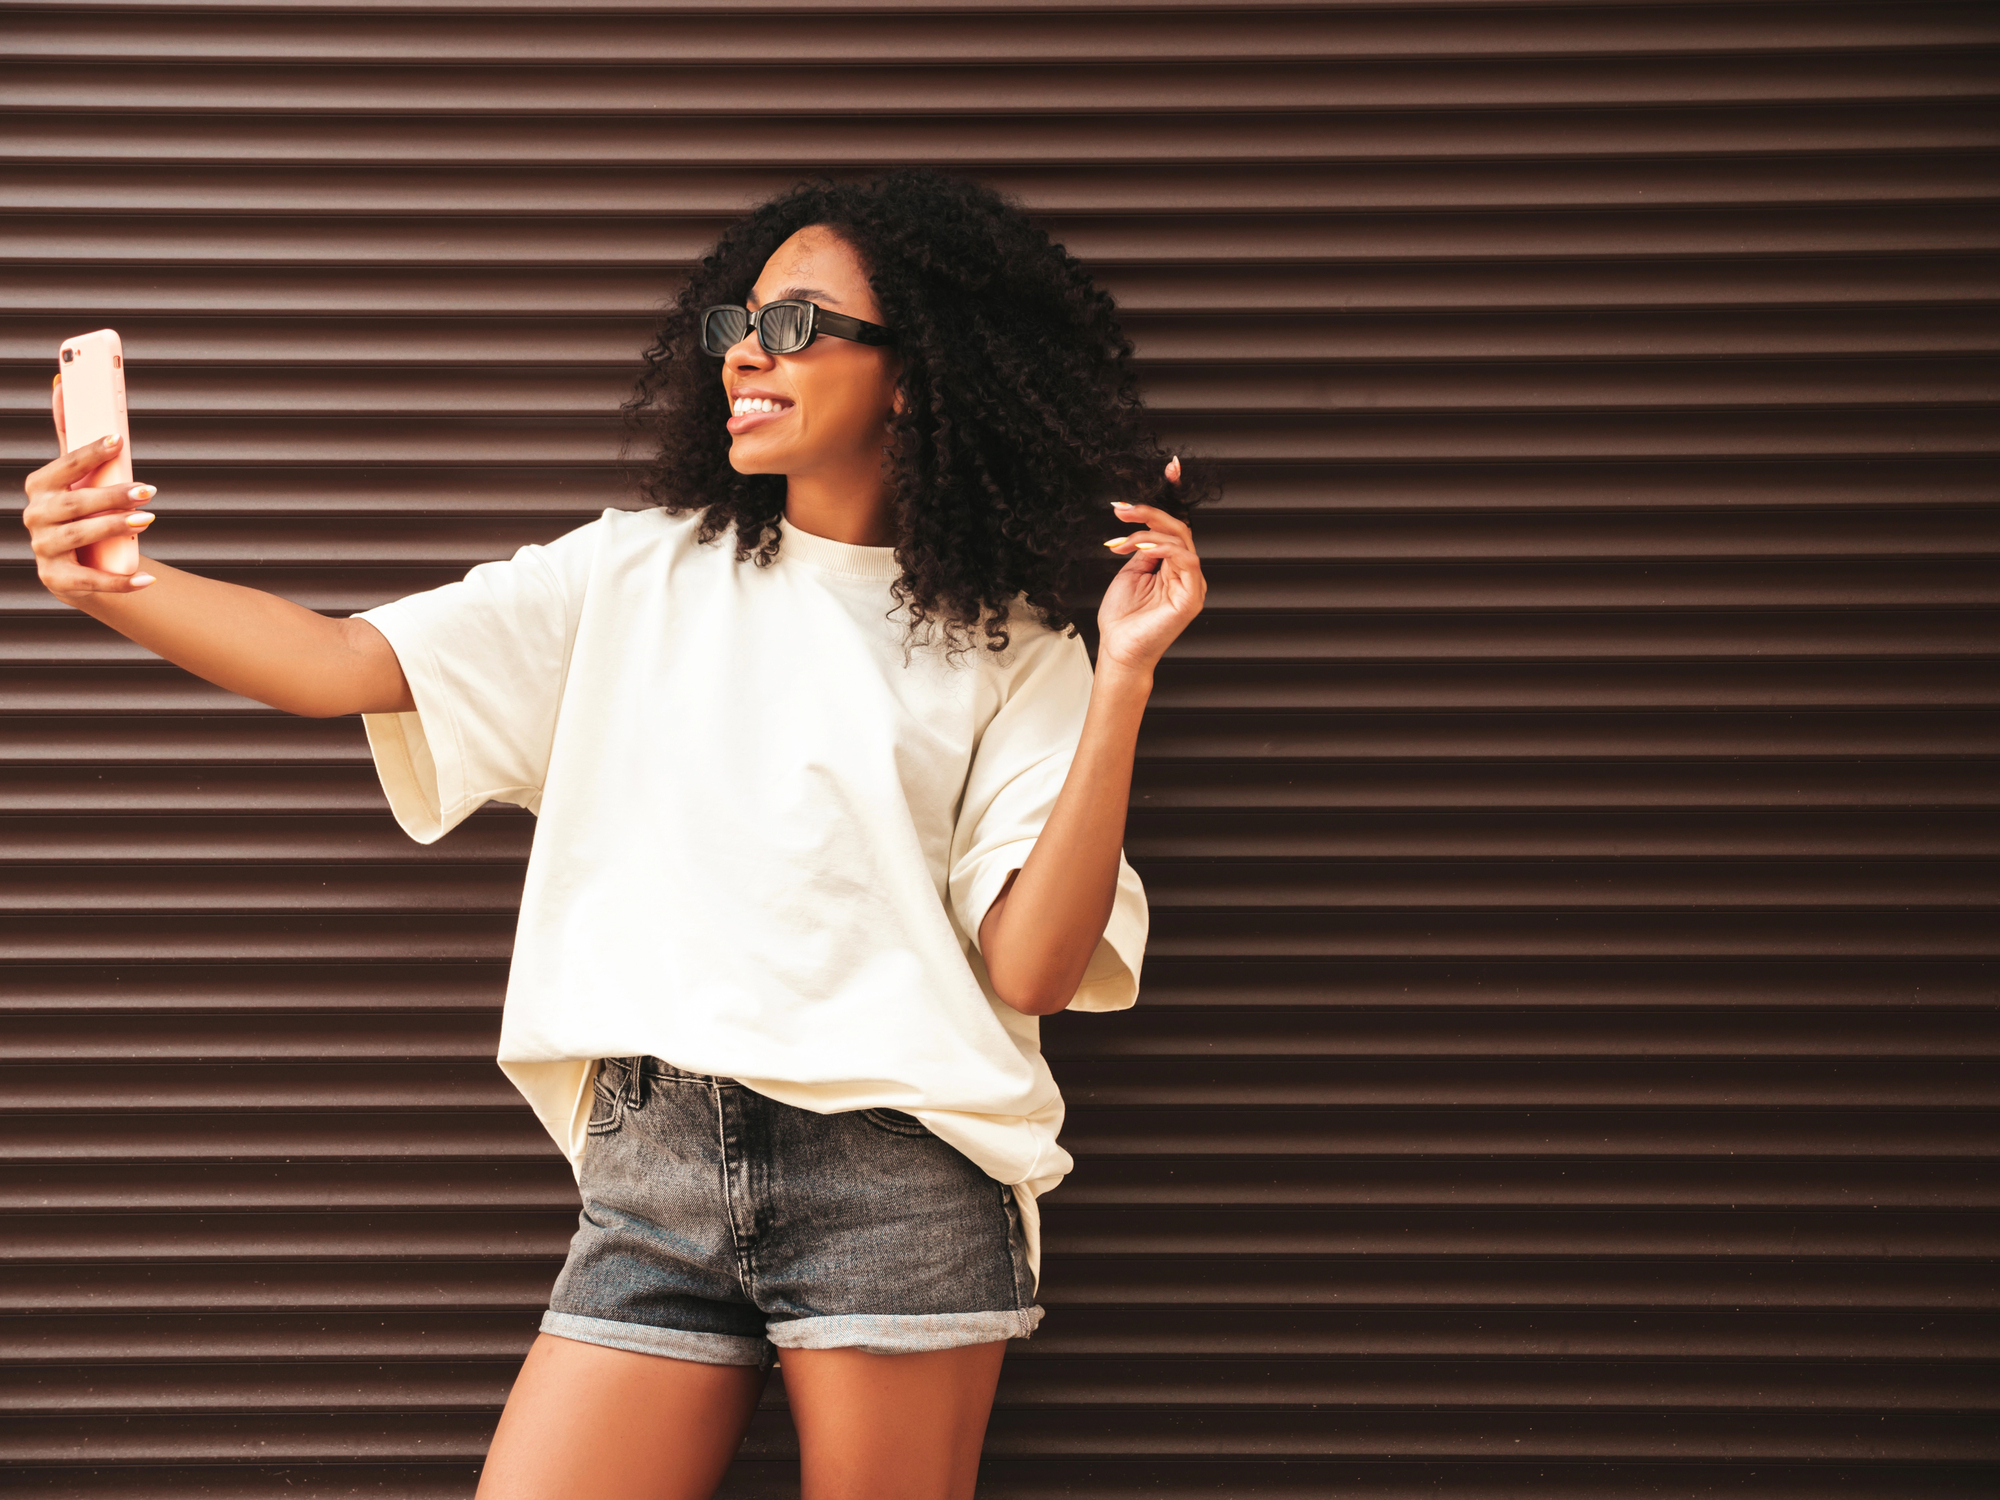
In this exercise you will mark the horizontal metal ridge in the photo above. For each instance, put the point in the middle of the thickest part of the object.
(1107, 1478)
(912, 34)
(1669, 1439)
(78, 1240)
(1726, 496)
(1013, 141)
(167, 1340)
(1104, 1384)
(1197, 1185)
(1316, 878)
(963, 83)
(1901, 990)
(262, 748)
(647, 244)
(272, 838)
(1462, 587)
(190, 360)
(1765, 181)
(1237, 532)
(1266, 381)
(1602, 1083)
(317, 361)
(433, 1029)
(1942, 279)
(1749, 805)
(208, 1120)
(1166, 1286)
(1209, 687)
(1828, 634)
(531, 435)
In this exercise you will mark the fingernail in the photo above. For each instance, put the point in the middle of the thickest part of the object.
(1145, 546)
(140, 518)
(1121, 504)
(142, 492)
(56, 384)
(111, 440)
(140, 580)
(1118, 541)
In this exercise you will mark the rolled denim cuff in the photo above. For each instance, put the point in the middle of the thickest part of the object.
(914, 1333)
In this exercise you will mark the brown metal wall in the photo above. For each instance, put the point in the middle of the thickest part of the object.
(1566, 1062)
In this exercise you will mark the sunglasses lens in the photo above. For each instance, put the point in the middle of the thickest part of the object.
(784, 327)
(722, 329)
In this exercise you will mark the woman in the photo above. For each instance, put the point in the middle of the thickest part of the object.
(830, 804)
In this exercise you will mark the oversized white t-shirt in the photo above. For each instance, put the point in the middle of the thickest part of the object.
(767, 828)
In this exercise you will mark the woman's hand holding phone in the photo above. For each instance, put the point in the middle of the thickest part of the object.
(63, 522)
(244, 640)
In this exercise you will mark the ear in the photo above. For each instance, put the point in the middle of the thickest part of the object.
(898, 397)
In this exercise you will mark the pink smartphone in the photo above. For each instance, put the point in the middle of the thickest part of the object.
(91, 369)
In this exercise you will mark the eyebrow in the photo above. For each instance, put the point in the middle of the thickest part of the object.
(796, 294)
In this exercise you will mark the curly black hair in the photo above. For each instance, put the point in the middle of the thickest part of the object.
(1021, 416)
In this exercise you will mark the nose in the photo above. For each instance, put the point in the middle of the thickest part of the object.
(748, 354)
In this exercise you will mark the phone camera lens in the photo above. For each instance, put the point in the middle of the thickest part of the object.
(69, 356)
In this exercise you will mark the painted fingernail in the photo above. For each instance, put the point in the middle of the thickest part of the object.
(1121, 504)
(1118, 541)
(1174, 469)
(141, 492)
(110, 440)
(56, 384)
(1145, 546)
(140, 580)
(139, 518)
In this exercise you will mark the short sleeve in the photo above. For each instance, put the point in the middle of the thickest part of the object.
(485, 659)
(1017, 773)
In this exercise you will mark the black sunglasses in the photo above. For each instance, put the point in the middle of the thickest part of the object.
(783, 327)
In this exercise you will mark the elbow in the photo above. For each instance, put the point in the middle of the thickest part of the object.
(1034, 994)
(1031, 995)
(1033, 1002)
(1037, 982)
(310, 705)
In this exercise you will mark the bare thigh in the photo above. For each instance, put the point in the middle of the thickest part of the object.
(584, 1421)
(890, 1426)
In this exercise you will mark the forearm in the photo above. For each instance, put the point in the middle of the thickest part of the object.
(257, 644)
(1038, 937)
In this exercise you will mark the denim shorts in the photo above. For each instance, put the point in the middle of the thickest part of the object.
(718, 1223)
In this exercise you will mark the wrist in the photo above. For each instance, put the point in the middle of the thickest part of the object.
(1123, 679)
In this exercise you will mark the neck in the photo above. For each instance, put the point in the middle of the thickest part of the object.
(855, 508)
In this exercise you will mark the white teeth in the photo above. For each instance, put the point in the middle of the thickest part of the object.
(744, 405)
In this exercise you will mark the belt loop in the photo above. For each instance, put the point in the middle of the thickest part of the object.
(635, 1081)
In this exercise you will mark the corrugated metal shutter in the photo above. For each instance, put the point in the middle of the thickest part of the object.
(1566, 1062)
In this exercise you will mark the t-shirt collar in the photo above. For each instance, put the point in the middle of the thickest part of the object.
(836, 557)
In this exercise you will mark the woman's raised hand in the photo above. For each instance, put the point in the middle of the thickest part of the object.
(60, 520)
(1152, 598)
(245, 640)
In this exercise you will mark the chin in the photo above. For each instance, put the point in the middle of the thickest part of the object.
(753, 462)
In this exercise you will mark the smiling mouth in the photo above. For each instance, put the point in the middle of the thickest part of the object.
(747, 413)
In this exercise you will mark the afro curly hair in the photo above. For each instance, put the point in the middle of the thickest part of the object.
(1021, 417)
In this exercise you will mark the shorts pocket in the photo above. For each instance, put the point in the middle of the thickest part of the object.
(607, 1104)
(894, 1121)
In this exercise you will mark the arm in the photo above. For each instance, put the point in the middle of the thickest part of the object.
(1040, 932)
(247, 641)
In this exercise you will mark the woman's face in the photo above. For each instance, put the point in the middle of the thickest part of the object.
(834, 397)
